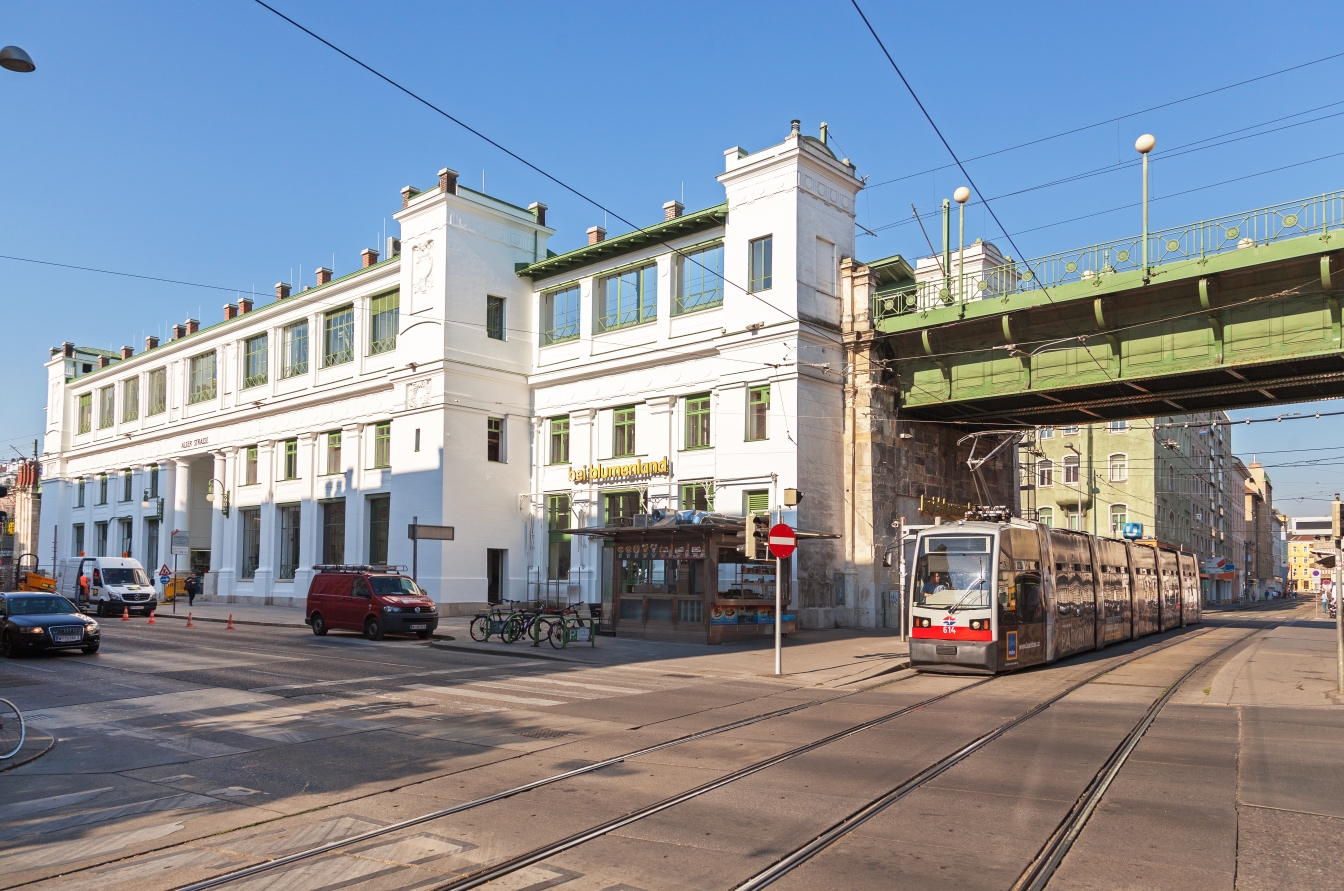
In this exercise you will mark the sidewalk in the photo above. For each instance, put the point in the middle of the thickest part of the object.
(243, 613)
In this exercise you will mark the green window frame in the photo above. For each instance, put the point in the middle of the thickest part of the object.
(762, 263)
(494, 317)
(623, 432)
(384, 319)
(380, 525)
(107, 407)
(158, 391)
(249, 518)
(494, 439)
(334, 452)
(338, 336)
(130, 400)
(560, 440)
(697, 422)
(250, 466)
(627, 298)
(255, 361)
(382, 445)
(291, 459)
(294, 349)
(1046, 516)
(559, 552)
(756, 501)
(700, 280)
(560, 315)
(620, 505)
(758, 413)
(85, 412)
(202, 378)
(697, 495)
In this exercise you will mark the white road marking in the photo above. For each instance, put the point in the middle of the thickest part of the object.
(56, 853)
(37, 805)
(481, 694)
(389, 677)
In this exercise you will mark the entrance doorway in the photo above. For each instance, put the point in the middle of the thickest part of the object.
(496, 565)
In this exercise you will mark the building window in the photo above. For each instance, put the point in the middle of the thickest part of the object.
(697, 496)
(107, 407)
(126, 482)
(1070, 470)
(496, 569)
(250, 520)
(79, 492)
(384, 319)
(202, 373)
(289, 541)
(700, 280)
(295, 349)
(334, 452)
(1046, 516)
(382, 445)
(417, 439)
(77, 540)
(1119, 517)
(85, 412)
(1045, 474)
(619, 506)
(1118, 426)
(333, 531)
(1171, 479)
(628, 298)
(825, 267)
(254, 361)
(1075, 520)
(151, 545)
(250, 466)
(158, 391)
(126, 536)
(102, 492)
(494, 439)
(762, 263)
(758, 413)
(153, 481)
(560, 440)
(100, 539)
(130, 400)
(338, 336)
(697, 421)
(1070, 429)
(1046, 433)
(558, 553)
(560, 315)
(623, 432)
(494, 317)
(1118, 466)
(291, 459)
(756, 501)
(380, 522)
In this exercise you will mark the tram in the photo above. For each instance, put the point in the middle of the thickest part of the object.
(996, 595)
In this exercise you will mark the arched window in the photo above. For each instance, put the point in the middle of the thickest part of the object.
(1119, 517)
(1045, 473)
(1119, 467)
(1046, 516)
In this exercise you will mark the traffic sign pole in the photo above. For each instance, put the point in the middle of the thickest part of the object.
(782, 543)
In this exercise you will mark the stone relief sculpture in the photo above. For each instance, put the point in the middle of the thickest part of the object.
(422, 261)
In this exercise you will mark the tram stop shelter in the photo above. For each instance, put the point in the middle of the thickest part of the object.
(684, 576)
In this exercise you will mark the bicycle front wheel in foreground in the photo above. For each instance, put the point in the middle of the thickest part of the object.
(480, 628)
(11, 729)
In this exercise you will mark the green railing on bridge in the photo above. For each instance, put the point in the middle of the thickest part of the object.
(1294, 219)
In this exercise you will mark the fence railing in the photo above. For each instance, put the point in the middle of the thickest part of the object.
(1294, 219)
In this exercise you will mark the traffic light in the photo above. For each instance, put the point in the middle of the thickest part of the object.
(755, 547)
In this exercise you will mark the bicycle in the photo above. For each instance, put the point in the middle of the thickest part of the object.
(12, 729)
(572, 627)
(508, 626)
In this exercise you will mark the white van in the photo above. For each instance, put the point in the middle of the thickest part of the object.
(115, 584)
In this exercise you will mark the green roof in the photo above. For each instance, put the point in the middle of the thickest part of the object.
(892, 272)
(97, 352)
(687, 224)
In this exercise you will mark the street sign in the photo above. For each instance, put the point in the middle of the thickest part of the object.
(164, 578)
(181, 546)
(164, 570)
(421, 532)
(782, 540)
(1132, 531)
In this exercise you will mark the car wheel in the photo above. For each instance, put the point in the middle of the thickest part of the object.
(319, 625)
(99, 611)
(7, 647)
(372, 629)
(423, 635)
(90, 649)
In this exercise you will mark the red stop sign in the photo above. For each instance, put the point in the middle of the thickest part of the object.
(782, 540)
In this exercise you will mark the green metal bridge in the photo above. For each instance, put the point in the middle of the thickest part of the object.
(1233, 312)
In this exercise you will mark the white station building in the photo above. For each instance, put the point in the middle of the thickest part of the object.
(472, 378)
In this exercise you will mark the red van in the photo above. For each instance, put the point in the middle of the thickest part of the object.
(374, 599)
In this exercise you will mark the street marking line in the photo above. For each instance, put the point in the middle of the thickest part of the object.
(481, 694)
(389, 677)
(18, 809)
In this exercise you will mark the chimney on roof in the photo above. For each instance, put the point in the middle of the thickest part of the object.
(672, 209)
(68, 350)
(323, 275)
(244, 305)
(127, 352)
(151, 342)
(393, 247)
(407, 193)
(193, 326)
(596, 234)
(368, 257)
(538, 212)
(179, 331)
(104, 361)
(230, 311)
(796, 126)
(281, 291)
(448, 181)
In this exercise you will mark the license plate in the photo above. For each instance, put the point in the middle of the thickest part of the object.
(420, 627)
(67, 635)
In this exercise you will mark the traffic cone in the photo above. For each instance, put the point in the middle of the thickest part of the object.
(190, 624)
(151, 618)
(125, 614)
(230, 627)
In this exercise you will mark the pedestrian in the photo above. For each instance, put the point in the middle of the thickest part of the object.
(192, 587)
(84, 588)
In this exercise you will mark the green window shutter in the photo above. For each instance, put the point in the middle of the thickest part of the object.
(758, 502)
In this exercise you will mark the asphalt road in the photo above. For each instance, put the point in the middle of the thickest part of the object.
(184, 754)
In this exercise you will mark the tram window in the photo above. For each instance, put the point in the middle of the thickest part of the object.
(1029, 598)
(946, 578)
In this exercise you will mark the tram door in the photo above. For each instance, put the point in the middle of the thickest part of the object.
(1021, 612)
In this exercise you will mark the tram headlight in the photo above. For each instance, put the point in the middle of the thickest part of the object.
(922, 623)
(979, 624)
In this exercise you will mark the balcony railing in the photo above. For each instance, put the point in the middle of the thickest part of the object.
(1195, 241)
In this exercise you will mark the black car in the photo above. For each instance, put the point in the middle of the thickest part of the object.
(31, 622)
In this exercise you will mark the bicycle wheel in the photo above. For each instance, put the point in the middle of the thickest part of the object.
(12, 730)
(480, 628)
(515, 628)
(558, 633)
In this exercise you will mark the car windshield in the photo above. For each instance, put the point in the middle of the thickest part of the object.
(116, 575)
(952, 572)
(39, 606)
(396, 585)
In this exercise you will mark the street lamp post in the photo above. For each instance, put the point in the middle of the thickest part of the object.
(1143, 145)
(962, 195)
(1079, 481)
(14, 59)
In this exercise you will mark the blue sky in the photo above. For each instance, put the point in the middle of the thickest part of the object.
(211, 142)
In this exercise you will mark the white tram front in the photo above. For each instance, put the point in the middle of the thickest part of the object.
(995, 596)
